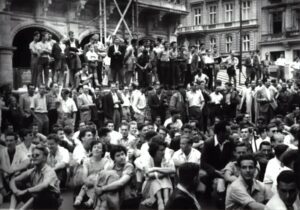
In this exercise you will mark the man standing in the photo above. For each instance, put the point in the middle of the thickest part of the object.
(25, 101)
(44, 192)
(280, 63)
(195, 102)
(85, 101)
(183, 197)
(39, 107)
(52, 104)
(67, 110)
(129, 60)
(44, 51)
(246, 191)
(116, 52)
(33, 46)
(257, 65)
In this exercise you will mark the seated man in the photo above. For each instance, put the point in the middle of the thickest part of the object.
(286, 197)
(231, 170)
(119, 179)
(58, 158)
(186, 153)
(43, 192)
(246, 191)
(12, 161)
(183, 197)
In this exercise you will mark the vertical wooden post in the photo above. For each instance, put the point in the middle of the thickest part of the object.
(104, 20)
(100, 21)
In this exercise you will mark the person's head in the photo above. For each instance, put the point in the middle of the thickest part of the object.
(71, 34)
(133, 128)
(36, 36)
(158, 121)
(39, 155)
(86, 89)
(166, 45)
(157, 148)
(30, 89)
(143, 129)
(125, 130)
(113, 87)
(45, 35)
(221, 131)
(279, 150)
(287, 187)
(245, 134)
(278, 138)
(11, 140)
(42, 89)
(118, 155)
(117, 41)
(162, 131)
(266, 149)
(110, 125)
(65, 94)
(272, 129)
(60, 133)
(228, 86)
(104, 135)
(289, 157)
(186, 143)
(187, 129)
(98, 149)
(54, 87)
(52, 142)
(188, 174)
(240, 150)
(86, 137)
(247, 166)
(35, 128)
(281, 55)
(149, 135)
(26, 135)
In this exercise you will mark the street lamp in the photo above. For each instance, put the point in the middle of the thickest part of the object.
(241, 41)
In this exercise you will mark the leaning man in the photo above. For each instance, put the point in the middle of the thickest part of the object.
(43, 191)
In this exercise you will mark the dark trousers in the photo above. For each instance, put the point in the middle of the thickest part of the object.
(117, 72)
(208, 70)
(34, 69)
(143, 78)
(195, 113)
(99, 72)
(280, 73)
(43, 70)
(117, 119)
(46, 200)
(165, 73)
(52, 116)
(62, 176)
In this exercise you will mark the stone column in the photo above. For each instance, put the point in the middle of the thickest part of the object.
(6, 50)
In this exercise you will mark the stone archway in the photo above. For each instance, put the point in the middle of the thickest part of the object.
(21, 41)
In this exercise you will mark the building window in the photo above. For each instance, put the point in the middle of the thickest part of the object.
(228, 44)
(277, 22)
(246, 6)
(228, 12)
(213, 43)
(246, 42)
(212, 14)
(197, 16)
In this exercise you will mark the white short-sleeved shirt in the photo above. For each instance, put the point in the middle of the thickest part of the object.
(179, 157)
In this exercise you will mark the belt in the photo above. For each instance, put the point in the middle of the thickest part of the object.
(41, 112)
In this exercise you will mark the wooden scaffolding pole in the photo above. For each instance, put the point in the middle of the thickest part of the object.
(100, 20)
(104, 21)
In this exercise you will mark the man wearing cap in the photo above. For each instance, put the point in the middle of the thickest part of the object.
(67, 109)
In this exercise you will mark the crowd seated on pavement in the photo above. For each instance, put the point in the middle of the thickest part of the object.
(163, 141)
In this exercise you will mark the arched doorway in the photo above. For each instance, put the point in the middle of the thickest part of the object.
(21, 56)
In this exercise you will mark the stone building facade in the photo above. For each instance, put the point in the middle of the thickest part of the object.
(20, 18)
(215, 24)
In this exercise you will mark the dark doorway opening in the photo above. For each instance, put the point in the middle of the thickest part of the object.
(21, 57)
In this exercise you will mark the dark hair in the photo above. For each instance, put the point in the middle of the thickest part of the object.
(239, 144)
(156, 142)
(149, 135)
(288, 157)
(115, 149)
(271, 125)
(286, 176)
(108, 122)
(246, 157)
(68, 130)
(280, 149)
(58, 128)
(83, 132)
(188, 137)
(24, 132)
(187, 172)
(36, 33)
(124, 124)
(103, 132)
(220, 127)
(53, 137)
(186, 126)
(264, 143)
(93, 143)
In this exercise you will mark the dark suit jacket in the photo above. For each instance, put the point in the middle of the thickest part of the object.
(108, 105)
(116, 59)
(157, 106)
(68, 45)
(179, 200)
(213, 158)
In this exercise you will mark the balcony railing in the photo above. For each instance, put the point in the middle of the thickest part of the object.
(280, 36)
(197, 28)
(170, 5)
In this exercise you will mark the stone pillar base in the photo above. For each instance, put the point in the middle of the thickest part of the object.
(6, 67)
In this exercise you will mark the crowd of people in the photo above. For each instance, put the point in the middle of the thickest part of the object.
(174, 137)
